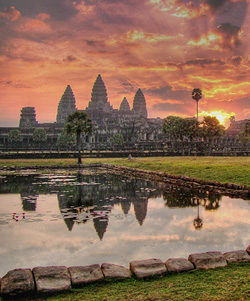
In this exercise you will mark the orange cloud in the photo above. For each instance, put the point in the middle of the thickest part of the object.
(83, 8)
(138, 42)
(10, 13)
(225, 36)
(135, 35)
(189, 10)
(43, 16)
(35, 26)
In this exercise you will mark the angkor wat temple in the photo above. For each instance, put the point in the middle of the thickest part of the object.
(133, 124)
(138, 131)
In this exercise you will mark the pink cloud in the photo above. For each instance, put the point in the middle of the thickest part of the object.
(11, 13)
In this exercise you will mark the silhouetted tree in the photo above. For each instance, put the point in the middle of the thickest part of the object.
(39, 135)
(78, 123)
(172, 126)
(117, 139)
(180, 129)
(211, 128)
(66, 141)
(15, 136)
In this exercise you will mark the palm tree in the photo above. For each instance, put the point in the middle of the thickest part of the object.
(78, 123)
(197, 95)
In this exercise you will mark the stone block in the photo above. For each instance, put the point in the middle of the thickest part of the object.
(18, 281)
(85, 274)
(208, 260)
(248, 249)
(179, 265)
(115, 271)
(237, 256)
(146, 268)
(52, 279)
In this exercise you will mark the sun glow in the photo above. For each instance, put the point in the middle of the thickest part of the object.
(223, 117)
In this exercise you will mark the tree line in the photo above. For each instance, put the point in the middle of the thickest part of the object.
(183, 130)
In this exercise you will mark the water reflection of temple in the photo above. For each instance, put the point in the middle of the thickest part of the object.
(28, 201)
(91, 198)
(97, 195)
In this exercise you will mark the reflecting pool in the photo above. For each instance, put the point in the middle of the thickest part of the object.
(69, 218)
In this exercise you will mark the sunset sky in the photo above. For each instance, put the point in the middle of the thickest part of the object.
(164, 47)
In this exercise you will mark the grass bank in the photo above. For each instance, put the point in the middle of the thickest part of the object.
(222, 169)
(230, 283)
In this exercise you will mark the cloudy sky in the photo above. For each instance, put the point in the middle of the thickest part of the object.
(164, 47)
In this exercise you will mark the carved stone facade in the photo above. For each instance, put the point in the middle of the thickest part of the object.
(132, 124)
(28, 118)
(236, 126)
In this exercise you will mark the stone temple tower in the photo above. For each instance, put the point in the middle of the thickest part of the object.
(139, 104)
(67, 105)
(99, 100)
(28, 118)
(124, 107)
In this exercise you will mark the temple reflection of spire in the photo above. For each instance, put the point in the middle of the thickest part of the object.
(84, 198)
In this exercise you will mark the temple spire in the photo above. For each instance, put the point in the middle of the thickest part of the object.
(67, 105)
(99, 105)
(124, 107)
(99, 92)
(139, 104)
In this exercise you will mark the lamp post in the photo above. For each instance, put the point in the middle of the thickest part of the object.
(197, 95)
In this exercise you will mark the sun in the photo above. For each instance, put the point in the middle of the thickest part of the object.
(223, 117)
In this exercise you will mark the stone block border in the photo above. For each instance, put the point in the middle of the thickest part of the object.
(52, 279)
(229, 189)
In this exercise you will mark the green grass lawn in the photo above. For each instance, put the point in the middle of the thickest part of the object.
(231, 283)
(222, 169)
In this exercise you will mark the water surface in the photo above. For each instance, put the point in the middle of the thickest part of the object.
(71, 218)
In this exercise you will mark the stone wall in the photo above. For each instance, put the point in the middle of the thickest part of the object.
(53, 279)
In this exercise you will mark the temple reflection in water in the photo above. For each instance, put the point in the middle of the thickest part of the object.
(91, 198)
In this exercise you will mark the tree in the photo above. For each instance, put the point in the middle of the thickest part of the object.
(244, 136)
(39, 135)
(191, 130)
(211, 128)
(197, 95)
(15, 136)
(247, 128)
(117, 139)
(78, 123)
(66, 141)
(172, 126)
(180, 129)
